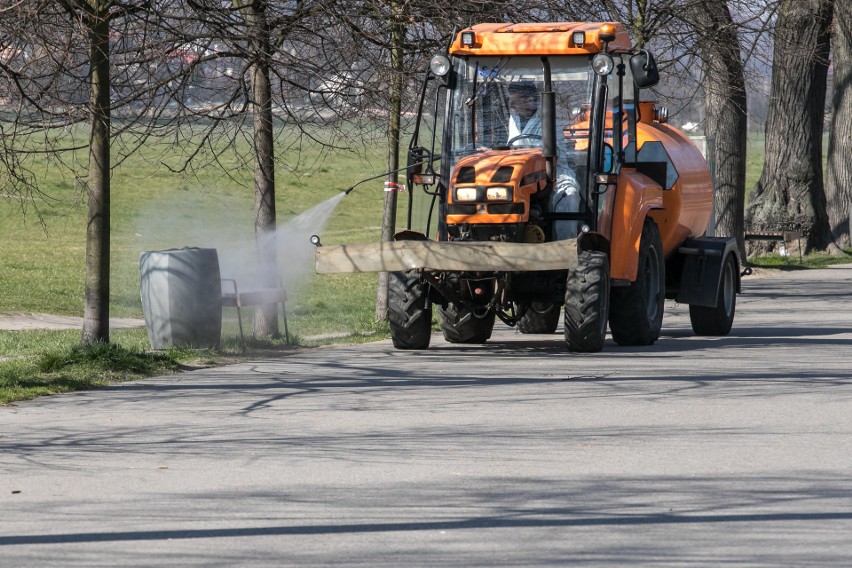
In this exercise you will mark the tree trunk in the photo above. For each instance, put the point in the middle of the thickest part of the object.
(725, 101)
(838, 185)
(389, 215)
(265, 316)
(96, 294)
(790, 193)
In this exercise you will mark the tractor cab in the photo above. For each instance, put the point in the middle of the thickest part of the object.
(521, 123)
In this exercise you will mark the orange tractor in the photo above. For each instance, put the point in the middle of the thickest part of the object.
(551, 188)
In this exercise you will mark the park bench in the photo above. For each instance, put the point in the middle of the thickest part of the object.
(787, 237)
(259, 297)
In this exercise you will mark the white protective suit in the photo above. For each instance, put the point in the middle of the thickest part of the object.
(566, 194)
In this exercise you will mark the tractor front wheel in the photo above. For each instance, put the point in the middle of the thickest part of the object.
(587, 303)
(410, 320)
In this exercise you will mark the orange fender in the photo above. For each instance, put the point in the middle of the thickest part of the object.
(635, 197)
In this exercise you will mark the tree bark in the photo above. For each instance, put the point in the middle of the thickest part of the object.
(725, 103)
(838, 185)
(265, 316)
(790, 193)
(96, 293)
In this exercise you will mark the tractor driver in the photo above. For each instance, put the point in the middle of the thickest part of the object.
(524, 117)
(525, 129)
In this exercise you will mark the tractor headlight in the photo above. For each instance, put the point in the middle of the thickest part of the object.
(602, 64)
(499, 193)
(465, 193)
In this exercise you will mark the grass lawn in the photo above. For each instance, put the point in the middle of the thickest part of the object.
(42, 250)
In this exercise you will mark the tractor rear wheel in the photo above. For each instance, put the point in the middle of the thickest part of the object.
(636, 316)
(717, 320)
(410, 320)
(461, 324)
(540, 317)
(587, 303)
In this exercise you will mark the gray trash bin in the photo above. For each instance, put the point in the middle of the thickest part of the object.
(181, 297)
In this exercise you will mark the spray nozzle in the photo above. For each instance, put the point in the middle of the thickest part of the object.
(315, 240)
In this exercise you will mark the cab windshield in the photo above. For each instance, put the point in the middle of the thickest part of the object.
(495, 105)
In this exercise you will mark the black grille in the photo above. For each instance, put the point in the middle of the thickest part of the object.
(533, 177)
(459, 209)
(506, 209)
(503, 175)
(466, 175)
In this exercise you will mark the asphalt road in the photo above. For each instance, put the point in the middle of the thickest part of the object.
(694, 452)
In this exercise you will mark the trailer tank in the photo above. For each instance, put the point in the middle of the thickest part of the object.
(677, 165)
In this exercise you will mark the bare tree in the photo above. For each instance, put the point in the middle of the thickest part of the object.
(699, 52)
(838, 185)
(273, 60)
(789, 195)
(257, 23)
(725, 105)
(96, 17)
(397, 36)
(75, 62)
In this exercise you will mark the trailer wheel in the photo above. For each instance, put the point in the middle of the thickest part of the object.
(636, 316)
(463, 325)
(410, 320)
(717, 320)
(587, 303)
(540, 317)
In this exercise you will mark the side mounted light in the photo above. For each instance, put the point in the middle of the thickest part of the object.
(468, 38)
(578, 38)
(440, 65)
(602, 64)
(424, 179)
(606, 179)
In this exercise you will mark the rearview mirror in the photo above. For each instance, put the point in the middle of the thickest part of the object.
(644, 68)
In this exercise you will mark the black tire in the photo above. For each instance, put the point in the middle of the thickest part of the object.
(717, 320)
(587, 303)
(463, 325)
(636, 314)
(410, 320)
(540, 317)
